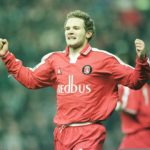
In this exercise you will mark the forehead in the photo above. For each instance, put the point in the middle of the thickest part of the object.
(75, 22)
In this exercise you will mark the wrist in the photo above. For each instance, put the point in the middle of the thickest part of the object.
(143, 57)
(6, 53)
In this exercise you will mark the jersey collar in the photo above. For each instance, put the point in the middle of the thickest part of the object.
(86, 50)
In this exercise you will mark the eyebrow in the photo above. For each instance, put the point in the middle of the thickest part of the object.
(72, 26)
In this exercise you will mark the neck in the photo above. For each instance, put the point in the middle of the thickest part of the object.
(73, 51)
(73, 55)
(76, 51)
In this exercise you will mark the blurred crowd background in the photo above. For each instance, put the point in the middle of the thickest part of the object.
(35, 28)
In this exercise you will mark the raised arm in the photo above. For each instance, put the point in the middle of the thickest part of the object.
(126, 75)
(38, 77)
(141, 54)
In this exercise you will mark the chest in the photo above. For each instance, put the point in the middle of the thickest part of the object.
(86, 69)
(78, 72)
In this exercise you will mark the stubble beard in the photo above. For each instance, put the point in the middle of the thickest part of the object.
(75, 46)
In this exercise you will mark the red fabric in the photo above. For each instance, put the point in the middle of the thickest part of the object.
(139, 102)
(140, 139)
(86, 90)
(89, 137)
(136, 127)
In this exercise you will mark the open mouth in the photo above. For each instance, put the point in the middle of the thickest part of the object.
(71, 37)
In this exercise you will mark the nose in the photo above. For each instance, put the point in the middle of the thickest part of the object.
(71, 31)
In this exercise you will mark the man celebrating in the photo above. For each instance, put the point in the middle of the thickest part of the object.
(85, 79)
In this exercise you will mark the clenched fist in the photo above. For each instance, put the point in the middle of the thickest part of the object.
(3, 47)
(140, 48)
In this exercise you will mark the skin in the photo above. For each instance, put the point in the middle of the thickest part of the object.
(3, 47)
(140, 48)
(76, 35)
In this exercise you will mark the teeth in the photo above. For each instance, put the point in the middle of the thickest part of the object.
(71, 38)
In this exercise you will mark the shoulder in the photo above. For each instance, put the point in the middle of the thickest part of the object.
(52, 55)
(106, 55)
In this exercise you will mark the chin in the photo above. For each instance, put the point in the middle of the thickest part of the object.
(72, 45)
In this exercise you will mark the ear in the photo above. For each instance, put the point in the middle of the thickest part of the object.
(88, 34)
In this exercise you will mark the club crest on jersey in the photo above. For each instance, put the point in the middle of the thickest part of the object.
(87, 69)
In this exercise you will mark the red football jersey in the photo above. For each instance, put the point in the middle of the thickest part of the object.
(87, 88)
(136, 102)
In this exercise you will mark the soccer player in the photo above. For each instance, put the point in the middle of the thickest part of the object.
(135, 117)
(85, 79)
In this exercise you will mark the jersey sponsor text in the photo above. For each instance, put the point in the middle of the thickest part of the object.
(71, 87)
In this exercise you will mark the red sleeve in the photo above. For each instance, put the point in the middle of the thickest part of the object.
(128, 76)
(40, 76)
(146, 65)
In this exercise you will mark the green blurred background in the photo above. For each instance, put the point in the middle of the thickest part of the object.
(35, 28)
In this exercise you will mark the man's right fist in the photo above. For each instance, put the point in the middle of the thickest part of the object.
(3, 47)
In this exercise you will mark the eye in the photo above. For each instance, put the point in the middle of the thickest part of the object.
(76, 27)
(67, 28)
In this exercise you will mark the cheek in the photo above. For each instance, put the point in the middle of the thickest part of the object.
(65, 34)
(82, 37)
